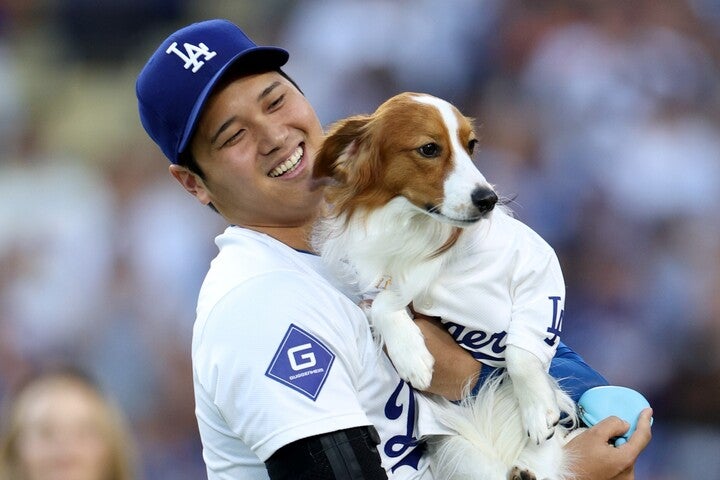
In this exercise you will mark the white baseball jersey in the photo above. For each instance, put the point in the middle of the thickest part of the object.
(279, 354)
(505, 288)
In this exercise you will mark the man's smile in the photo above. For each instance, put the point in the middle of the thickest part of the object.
(288, 165)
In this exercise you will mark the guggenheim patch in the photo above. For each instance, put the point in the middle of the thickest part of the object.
(301, 362)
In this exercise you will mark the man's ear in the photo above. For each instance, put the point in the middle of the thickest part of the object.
(191, 182)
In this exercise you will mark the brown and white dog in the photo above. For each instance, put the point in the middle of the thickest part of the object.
(412, 219)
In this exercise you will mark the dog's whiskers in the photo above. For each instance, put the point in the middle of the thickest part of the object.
(505, 200)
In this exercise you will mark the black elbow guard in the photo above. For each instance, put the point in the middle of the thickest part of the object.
(343, 455)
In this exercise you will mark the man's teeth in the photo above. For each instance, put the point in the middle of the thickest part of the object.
(287, 165)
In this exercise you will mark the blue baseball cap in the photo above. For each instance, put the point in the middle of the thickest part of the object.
(177, 80)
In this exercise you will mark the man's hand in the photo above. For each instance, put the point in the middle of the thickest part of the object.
(595, 458)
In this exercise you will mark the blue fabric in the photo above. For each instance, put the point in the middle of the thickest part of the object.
(179, 77)
(573, 374)
(567, 367)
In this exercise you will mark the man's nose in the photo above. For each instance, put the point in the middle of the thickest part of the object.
(273, 136)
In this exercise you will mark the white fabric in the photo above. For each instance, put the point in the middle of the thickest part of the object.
(499, 291)
(255, 289)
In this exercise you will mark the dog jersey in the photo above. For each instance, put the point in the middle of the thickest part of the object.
(280, 354)
(503, 286)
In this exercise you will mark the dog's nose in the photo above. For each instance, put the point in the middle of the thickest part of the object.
(484, 199)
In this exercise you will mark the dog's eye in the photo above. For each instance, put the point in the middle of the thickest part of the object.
(471, 145)
(429, 150)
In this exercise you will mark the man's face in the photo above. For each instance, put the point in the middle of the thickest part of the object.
(255, 142)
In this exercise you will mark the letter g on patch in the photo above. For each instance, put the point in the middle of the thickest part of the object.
(308, 358)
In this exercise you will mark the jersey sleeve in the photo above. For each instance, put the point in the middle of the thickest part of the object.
(278, 357)
(573, 374)
(538, 297)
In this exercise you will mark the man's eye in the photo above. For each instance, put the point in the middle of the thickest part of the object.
(277, 101)
(429, 150)
(471, 145)
(234, 138)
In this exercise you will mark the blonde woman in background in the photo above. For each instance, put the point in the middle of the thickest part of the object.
(60, 426)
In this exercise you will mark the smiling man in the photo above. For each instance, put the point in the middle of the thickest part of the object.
(287, 377)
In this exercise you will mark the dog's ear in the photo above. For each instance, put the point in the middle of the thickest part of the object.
(340, 144)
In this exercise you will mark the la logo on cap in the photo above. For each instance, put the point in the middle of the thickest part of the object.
(192, 54)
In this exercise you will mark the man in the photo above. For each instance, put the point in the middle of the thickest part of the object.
(288, 381)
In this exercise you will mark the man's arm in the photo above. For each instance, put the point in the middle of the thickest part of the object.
(455, 370)
(573, 374)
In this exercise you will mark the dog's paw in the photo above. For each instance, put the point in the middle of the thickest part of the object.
(540, 420)
(415, 367)
(405, 345)
(412, 360)
(517, 473)
(539, 410)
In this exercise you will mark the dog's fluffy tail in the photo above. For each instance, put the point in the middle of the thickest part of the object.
(490, 436)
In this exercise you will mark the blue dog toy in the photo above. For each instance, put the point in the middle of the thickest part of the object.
(598, 403)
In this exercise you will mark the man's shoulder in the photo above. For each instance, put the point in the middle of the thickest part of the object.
(253, 270)
(245, 254)
(246, 258)
(238, 244)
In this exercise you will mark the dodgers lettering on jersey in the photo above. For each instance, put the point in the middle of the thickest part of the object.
(482, 345)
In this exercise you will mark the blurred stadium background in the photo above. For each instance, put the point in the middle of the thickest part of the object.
(601, 117)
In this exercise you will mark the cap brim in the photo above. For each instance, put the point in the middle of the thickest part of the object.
(258, 59)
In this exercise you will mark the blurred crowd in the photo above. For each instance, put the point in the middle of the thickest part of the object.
(599, 122)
